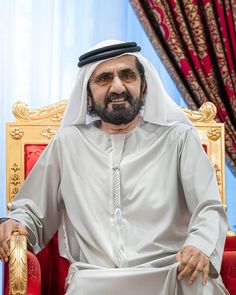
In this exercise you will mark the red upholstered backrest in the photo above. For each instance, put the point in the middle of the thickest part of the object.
(204, 147)
(31, 155)
(54, 268)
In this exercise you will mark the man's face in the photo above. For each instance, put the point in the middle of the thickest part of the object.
(115, 90)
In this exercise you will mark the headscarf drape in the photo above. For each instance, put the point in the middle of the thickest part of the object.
(159, 108)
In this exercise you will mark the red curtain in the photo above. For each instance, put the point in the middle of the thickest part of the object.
(196, 41)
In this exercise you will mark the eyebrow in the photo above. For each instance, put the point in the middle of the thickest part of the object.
(110, 72)
(103, 74)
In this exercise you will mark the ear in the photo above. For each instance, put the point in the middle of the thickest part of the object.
(89, 100)
(143, 86)
(89, 103)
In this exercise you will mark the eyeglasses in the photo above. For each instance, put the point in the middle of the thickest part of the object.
(106, 78)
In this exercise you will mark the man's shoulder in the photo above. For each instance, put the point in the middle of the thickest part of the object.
(175, 129)
(70, 130)
(76, 131)
(167, 135)
(181, 128)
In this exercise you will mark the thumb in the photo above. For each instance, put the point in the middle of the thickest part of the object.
(21, 228)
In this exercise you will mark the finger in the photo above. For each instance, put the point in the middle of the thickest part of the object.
(196, 273)
(22, 229)
(183, 257)
(1, 231)
(205, 274)
(9, 227)
(189, 267)
(186, 256)
(6, 231)
(5, 247)
(3, 255)
(182, 265)
(178, 259)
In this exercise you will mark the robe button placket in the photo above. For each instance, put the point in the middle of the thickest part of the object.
(118, 219)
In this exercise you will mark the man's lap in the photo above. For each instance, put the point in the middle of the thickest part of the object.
(138, 281)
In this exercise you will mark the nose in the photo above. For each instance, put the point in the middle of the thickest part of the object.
(117, 85)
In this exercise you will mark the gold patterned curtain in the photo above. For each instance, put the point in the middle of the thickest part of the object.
(196, 41)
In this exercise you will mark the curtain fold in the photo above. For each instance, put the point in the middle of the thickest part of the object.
(196, 40)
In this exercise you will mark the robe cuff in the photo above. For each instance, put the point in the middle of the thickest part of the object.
(3, 219)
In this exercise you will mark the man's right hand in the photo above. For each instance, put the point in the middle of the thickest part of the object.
(6, 229)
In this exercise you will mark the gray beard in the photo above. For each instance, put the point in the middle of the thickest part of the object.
(120, 113)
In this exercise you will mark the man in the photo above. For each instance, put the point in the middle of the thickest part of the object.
(127, 184)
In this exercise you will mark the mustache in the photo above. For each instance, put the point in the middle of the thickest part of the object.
(112, 96)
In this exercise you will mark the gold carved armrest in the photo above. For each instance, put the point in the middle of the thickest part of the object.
(18, 265)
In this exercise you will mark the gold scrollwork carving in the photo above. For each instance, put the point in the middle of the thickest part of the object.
(15, 167)
(218, 176)
(18, 265)
(14, 191)
(214, 133)
(14, 180)
(53, 112)
(49, 133)
(16, 133)
(206, 113)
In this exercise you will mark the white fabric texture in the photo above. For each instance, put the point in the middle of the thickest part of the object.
(151, 281)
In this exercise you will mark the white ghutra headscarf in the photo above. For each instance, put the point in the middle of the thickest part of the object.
(159, 108)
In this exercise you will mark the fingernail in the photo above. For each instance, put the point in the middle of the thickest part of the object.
(190, 282)
(204, 284)
(180, 277)
(6, 259)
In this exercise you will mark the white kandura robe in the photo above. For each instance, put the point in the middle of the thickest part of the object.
(127, 204)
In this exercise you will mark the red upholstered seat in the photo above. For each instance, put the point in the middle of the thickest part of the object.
(228, 269)
(54, 269)
(34, 276)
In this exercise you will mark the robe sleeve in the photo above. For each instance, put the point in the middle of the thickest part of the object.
(37, 204)
(208, 225)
